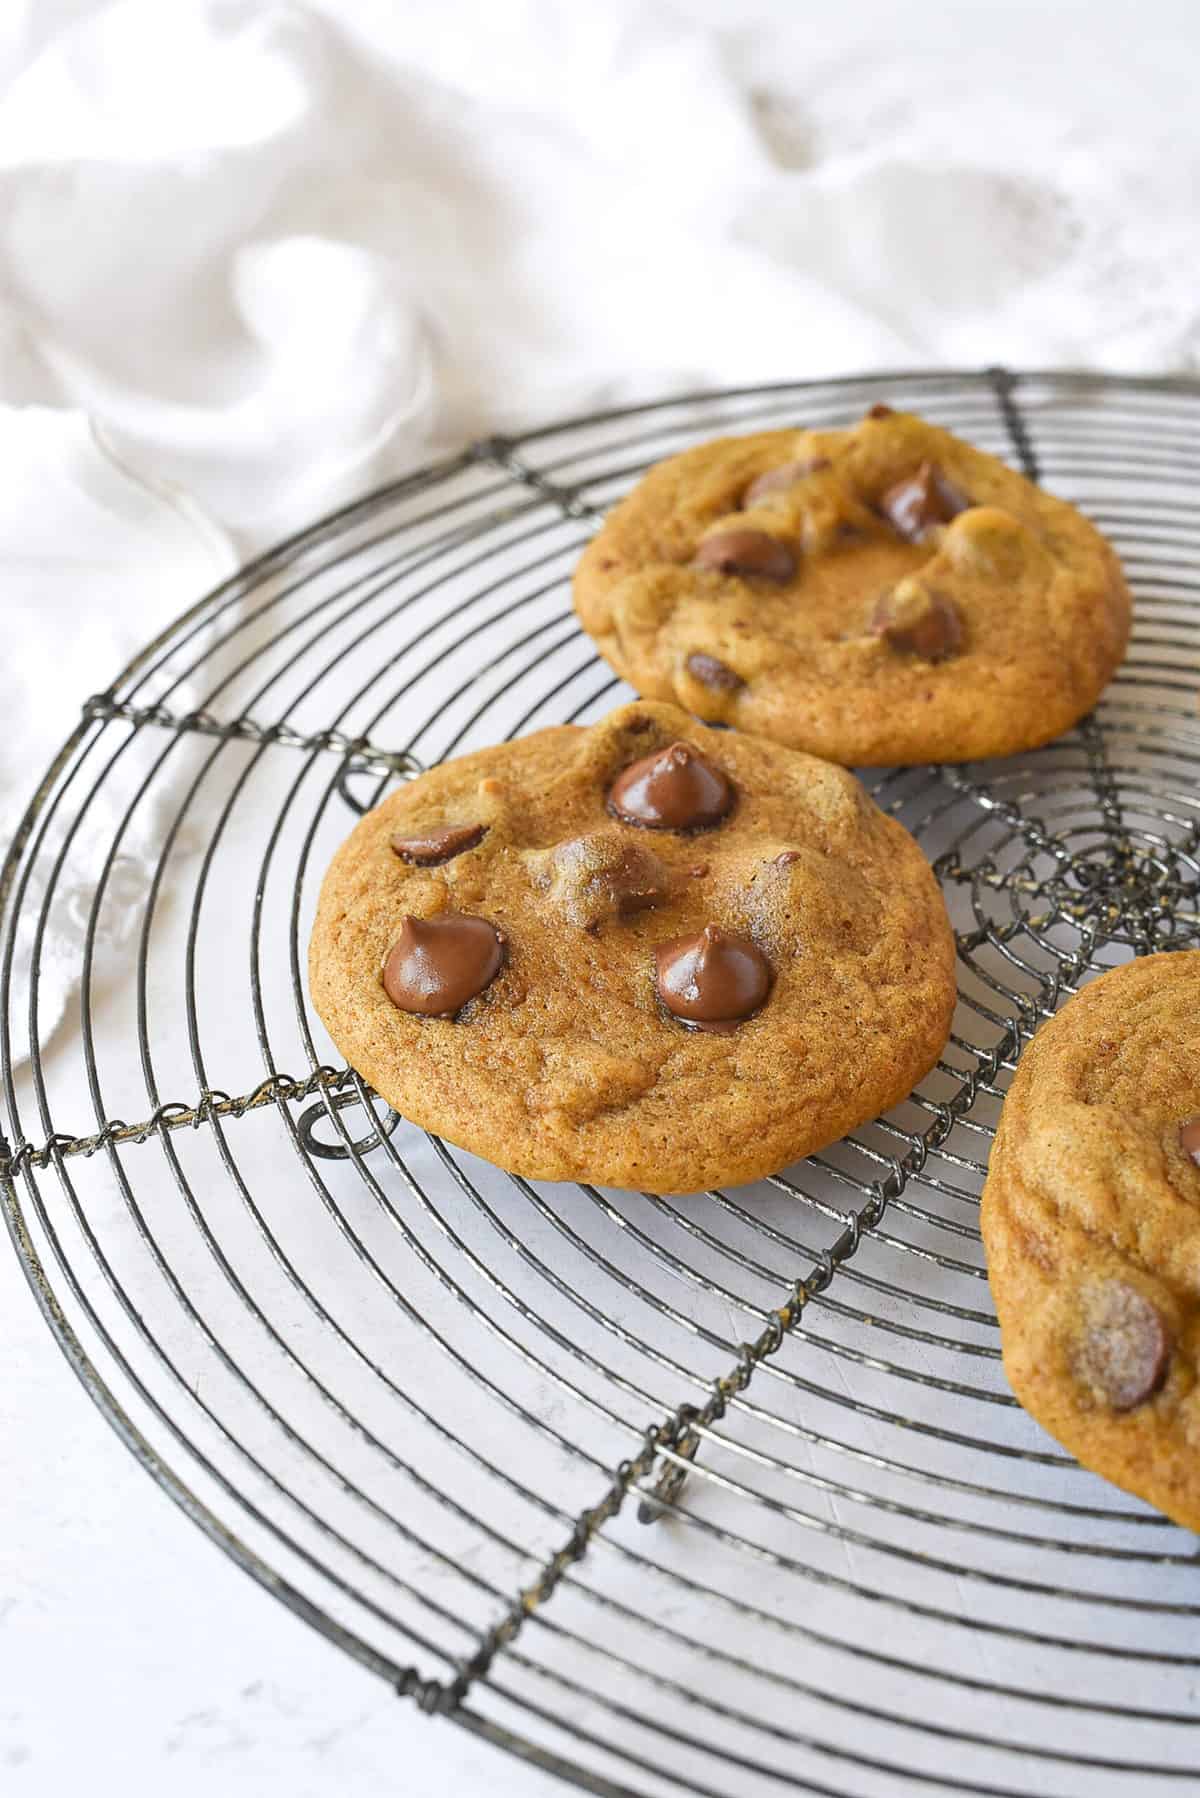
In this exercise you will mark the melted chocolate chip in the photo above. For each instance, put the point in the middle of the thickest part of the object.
(676, 788)
(991, 543)
(712, 673)
(922, 622)
(786, 858)
(712, 979)
(601, 878)
(749, 553)
(1189, 1139)
(778, 480)
(915, 505)
(437, 964)
(1123, 1352)
(432, 847)
(881, 410)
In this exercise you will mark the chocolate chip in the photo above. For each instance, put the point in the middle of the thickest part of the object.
(786, 859)
(432, 847)
(880, 410)
(915, 505)
(777, 480)
(602, 877)
(1123, 1352)
(748, 553)
(712, 673)
(1189, 1139)
(713, 979)
(991, 543)
(915, 619)
(437, 964)
(674, 789)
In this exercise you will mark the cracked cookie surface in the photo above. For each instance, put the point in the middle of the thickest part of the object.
(1091, 1220)
(665, 957)
(885, 594)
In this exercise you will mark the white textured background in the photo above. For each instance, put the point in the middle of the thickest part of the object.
(277, 252)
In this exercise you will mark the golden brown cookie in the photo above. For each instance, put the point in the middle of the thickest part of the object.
(886, 594)
(1091, 1219)
(643, 953)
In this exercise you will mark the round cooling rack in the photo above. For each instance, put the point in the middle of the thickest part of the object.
(717, 1494)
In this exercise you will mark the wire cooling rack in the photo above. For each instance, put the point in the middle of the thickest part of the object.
(710, 1495)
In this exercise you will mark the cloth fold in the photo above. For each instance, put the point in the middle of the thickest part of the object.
(283, 249)
(96, 561)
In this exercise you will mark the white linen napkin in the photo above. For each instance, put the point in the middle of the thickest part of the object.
(95, 561)
(282, 249)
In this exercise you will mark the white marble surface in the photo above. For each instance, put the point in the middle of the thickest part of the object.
(134, 1658)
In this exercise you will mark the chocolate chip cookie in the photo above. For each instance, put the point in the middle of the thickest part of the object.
(1091, 1219)
(886, 594)
(642, 953)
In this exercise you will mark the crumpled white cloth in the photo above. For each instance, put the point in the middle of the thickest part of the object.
(281, 248)
(279, 251)
(95, 561)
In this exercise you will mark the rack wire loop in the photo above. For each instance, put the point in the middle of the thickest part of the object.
(317, 1114)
